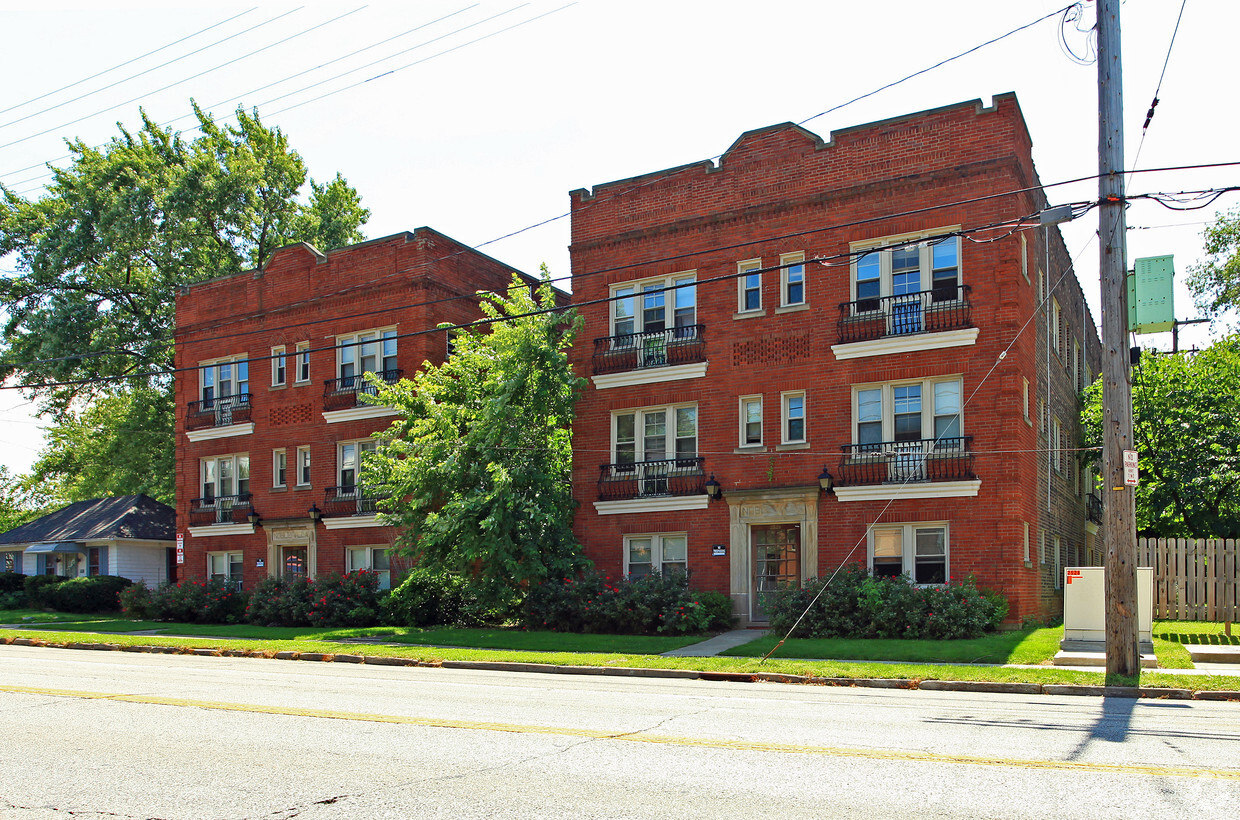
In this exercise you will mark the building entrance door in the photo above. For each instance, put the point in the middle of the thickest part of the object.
(293, 562)
(776, 551)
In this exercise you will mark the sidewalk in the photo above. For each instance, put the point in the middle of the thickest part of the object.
(720, 643)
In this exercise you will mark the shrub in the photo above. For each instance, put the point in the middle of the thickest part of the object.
(192, 601)
(12, 600)
(719, 611)
(136, 602)
(35, 588)
(645, 606)
(430, 598)
(277, 602)
(96, 593)
(11, 582)
(855, 605)
(333, 600)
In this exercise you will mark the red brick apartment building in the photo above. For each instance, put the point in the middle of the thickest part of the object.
(811, 355)
(269, 425)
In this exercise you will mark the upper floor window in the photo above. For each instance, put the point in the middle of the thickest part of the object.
(373, 351)
(1056, 328)
(225, 476)
(279, 468)
(303, 466)
(303, 361)
(907, 268)
(751, 421)
(749, 286)
(654, 304)
(278, 366)
(791, 279)
(909, 411)
(349, 462)
(654, 434)
(793, 417)
(224, 378)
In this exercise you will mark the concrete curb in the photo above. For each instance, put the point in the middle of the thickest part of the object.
(930, 685)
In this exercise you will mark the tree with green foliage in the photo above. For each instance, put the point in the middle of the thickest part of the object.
(17, 503)
(1186, 421)
(101, 255)
(1215, 283)
(476, 469)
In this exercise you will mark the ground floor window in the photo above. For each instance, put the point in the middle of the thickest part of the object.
(10, 561)
(374, 559)
(658, 552)
(225, 566)
(96, 561)
(916, 550)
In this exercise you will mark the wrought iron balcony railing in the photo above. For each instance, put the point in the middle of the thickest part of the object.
(898, 462)
(351, 500)
(927, 311)
(342, 394)
(222, 411)
(220, 509)
(645, 479)
(1093, 507)
(651, 348)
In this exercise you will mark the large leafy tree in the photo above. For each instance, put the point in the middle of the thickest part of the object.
(1186, 421)
(17, 503)
(1215, 283)
(477, 466)
(121, 228)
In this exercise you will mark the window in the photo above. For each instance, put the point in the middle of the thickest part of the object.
(1041, 417)
(225, 476)
(348, 461)
(751, 421)
(303, 466)
(303, 361)
(926, 410)
(749, 286)
(277, 366)
(279, 468)
(793, 418)
(916, 550)
(10, 561)
(96, 561)
(1024, 401)
(371, 559)
(662, 552)
(1057, 559)
(450, 343)
(373, 351)
(1056, 444)
(1025, 553)
(906, 269)
(222, 380)
(1055, 330)
(1024, 257)
(642, 307)
(225, 566)
(644, 435)
(791, 279)
(1078, 378)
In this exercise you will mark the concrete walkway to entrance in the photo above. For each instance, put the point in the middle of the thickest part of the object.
(717, 644)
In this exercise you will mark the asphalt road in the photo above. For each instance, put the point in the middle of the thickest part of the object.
(108, 734)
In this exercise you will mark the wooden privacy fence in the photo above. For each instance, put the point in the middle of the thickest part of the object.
(1195, 579)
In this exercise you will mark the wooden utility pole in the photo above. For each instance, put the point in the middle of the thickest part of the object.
(1119, 519)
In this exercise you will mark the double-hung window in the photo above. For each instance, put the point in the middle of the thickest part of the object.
(660, 552)
(656, 445)
(907, 424)
(278, 366)
(905, 277)
(349, 461)
(916, 550)
(652, 314)
(371, 559)
(793, 418)
(791, 279)
(223, 385)
(226, 567)
(225, 477)
(303, 466)
(303, 362)
(279, 468)
(373, 351)
(751, 421)
(749, 286)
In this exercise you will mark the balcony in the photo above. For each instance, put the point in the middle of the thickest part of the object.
(343, 394)
(223, 411)
(221, 509)
(652, 348)
(927, 311)
(1093, 508)
(668, 477)
(344, 501)
(906, 462)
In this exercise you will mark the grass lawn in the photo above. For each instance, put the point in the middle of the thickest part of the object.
(39, 616)
(1196, 632)
(1027, 646)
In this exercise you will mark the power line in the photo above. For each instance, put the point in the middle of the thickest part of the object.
(1149, 115)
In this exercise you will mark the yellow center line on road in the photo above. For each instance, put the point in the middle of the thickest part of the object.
(634, 737)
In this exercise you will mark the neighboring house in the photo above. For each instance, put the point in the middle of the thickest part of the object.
(271, 426)
(131, 536)
(814, 353)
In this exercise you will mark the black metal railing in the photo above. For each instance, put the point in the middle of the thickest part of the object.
(899, 462)
(351, 500)
(222, 411)
(1093, 507)
(644, 479)
(342, 394)
(221, 509)
(652, 348)
(927, 311)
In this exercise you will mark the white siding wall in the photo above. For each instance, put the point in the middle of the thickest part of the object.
(148, 564)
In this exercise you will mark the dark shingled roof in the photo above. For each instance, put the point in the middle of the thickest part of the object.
(129, 516)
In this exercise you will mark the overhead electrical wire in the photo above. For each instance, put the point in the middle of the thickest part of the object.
(1149, 115)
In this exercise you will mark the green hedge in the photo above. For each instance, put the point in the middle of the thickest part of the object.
(191, 601)
(95, 593)
(332, 600)
(429, 598)
(655, 604)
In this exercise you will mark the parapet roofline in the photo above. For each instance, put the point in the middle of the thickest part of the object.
(711, 166)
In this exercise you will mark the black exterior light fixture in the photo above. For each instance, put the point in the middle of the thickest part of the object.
(713, 489)
(254, 518)
(826, 481)
(315, 514)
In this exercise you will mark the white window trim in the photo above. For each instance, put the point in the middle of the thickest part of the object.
(1055, 329)
(357, 455)
(669, 436)
(384, 574)
(656, 548)
(908, 546)
(228, 576)
(1025, 542)
(743, 268)
(279, 367)
(925, 257)
(786, 261)
(1057, 560)
(669, 299)
(888, 409)
(275, 467)
(784, 418)
(302, 350)
(354, 340)
(305, 448)
(1024, 402)
(1024, 258)
(209, 363)
(743, 419)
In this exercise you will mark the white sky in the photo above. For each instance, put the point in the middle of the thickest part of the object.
(481, 139)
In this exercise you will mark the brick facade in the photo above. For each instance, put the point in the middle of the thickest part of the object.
(854, 358)
(406, 284)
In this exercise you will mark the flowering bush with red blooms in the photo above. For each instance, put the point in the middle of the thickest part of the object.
(192, 601)
(655, 604)
(332, 600)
